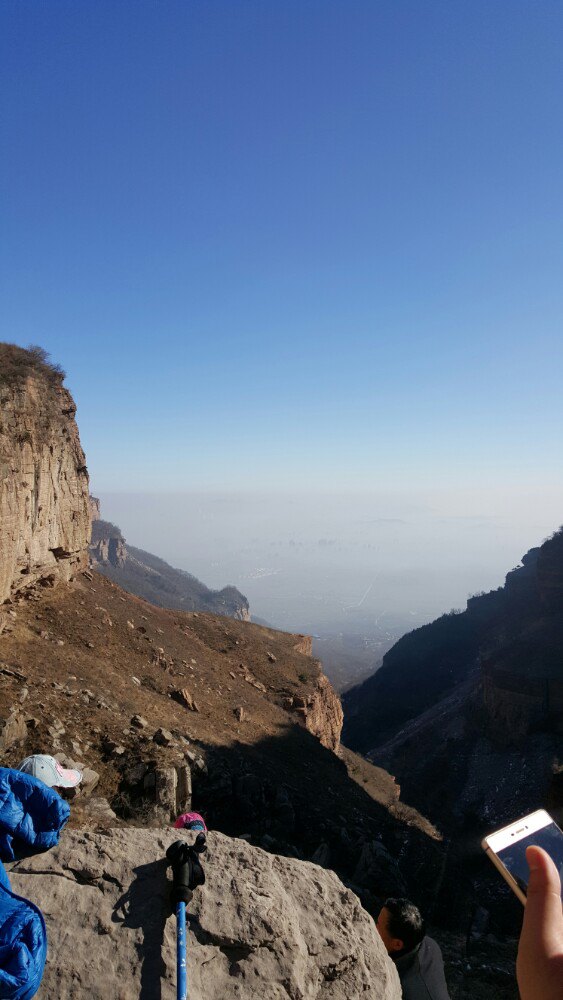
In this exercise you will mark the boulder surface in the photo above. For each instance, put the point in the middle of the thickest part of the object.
(265, 926)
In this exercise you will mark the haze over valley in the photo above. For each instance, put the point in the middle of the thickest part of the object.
(355, 571)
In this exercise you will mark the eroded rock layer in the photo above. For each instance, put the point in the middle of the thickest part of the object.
(44, 509)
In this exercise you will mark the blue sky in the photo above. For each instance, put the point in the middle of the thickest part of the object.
(291, 243)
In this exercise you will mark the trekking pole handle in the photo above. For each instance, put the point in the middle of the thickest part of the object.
(187, 872)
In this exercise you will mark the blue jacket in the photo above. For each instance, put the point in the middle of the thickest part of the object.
(32, 815)
(23, 944)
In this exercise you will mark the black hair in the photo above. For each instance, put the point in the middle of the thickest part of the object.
(405, 922)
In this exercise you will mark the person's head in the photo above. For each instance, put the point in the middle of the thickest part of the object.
(191, 821)
(400, 925)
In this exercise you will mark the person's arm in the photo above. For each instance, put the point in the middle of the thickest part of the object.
(539, 968)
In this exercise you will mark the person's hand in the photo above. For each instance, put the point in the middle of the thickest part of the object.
(539, 968)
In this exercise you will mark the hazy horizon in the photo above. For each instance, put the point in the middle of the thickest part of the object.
(359, 569)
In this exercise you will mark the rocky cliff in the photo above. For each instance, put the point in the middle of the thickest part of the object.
(147, 576)
(323, 714)
(107, 548)
(44, 508)
(514, 635)
(477, 739)
(95, 508)
(263, 927)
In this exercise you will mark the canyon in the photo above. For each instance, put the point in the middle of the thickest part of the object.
(170, 698)
(167, 709)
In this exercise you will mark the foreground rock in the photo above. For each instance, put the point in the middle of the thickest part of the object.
(269, 927)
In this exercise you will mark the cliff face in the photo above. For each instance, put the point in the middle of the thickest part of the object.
(95, 508)
(44, 507)
(109, 551)
(477, 737)
(320, 711)
(153, 579)
(323, 714)
(516, 704)
(421, 668)
(487, 747)
(550, 573)
(514, 635)
(522, 657)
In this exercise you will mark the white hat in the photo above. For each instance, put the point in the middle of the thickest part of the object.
(47, 769)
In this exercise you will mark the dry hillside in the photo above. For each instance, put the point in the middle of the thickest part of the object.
(80, 661)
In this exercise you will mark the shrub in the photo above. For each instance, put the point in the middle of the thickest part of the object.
(18, 363)
(104, 529)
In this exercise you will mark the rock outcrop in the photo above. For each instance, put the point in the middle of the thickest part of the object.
(44, 507)
(550, 572)
(467, 712)
(109, 551)
(321, 711)
(95, 508)
(304, 645)
(266, 926)
(153, 579)
(323, 715)
(513, 635)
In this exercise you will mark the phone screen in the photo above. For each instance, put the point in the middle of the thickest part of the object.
(513, 857)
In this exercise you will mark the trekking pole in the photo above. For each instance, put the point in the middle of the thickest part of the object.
(187, 874)
(181, 969)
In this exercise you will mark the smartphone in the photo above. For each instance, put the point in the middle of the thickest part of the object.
(507, 848)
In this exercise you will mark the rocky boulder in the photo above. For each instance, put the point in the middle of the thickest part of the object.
(13, 729)
(265, 926)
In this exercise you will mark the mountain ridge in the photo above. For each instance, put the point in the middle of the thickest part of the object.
(427, 664)
(152, 578)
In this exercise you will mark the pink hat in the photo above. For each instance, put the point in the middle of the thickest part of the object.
(190, 821)
(47, 769)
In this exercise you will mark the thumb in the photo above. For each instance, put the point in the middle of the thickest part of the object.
(543, 916)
